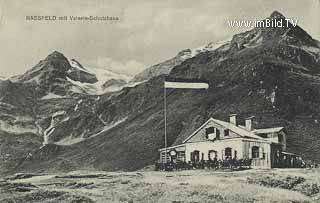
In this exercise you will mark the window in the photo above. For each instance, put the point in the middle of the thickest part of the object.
(212, 154)
(228, 153)
(181, 156)
(195, 156)
(255, 152)
(280, 138)
(210, 130)
(226, 132)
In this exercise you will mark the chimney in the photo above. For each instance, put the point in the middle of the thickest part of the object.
(233, 119)
(249, 123)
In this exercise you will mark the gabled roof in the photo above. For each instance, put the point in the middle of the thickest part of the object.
(202, 126)
(267, 130)
(240, 131)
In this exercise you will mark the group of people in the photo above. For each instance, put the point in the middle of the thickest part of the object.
(228, 162)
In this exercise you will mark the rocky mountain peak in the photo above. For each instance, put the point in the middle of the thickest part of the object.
(288, 33)
(58, 59)
(56, 74)
(55, 54)
(277, 14)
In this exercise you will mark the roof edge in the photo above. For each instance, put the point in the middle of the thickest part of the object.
(197, 130)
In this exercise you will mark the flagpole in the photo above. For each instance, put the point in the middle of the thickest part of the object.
(165, 124)
(179, 85)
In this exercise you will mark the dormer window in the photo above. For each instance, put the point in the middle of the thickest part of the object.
(210, 130)
(226, 132)
(212, 133)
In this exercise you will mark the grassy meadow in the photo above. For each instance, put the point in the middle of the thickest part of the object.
(253, 186)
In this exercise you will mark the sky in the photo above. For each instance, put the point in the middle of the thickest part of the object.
(147, 32)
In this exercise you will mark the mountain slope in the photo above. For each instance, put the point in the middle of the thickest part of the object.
(166, 66)
(272, 73)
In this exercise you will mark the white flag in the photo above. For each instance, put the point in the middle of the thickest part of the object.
(186, 85)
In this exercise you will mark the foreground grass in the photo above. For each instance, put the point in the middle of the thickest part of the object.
(148, 186)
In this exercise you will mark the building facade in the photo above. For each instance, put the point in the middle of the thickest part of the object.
(221, 140)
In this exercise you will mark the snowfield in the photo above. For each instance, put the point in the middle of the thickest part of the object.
(103, 75)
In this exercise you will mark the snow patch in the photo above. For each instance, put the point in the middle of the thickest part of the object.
(136, 83)
(92, 89)
(110, 126)
(58, 113)
(47, 133)
(73, 63)
(80, 87)
(104, 75)
(314, 50)
(113, 89)
(272, 96)
(7, 105)
(15, 129)
(76, 107)
(35, 79)
(65, 119)
(100, 118)
(51, 95)
(209, 47)
(51, 128)
(70, 140)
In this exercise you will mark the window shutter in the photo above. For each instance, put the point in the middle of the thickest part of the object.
(222, 155)
(250, 153)
(217, 133)
(261, 152)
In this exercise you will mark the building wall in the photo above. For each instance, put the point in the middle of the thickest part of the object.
(218, 146)
(275, 138)
(243, 148)
(264, 160)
